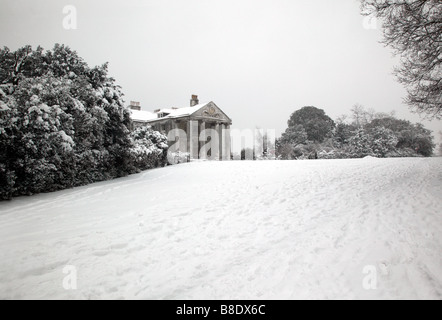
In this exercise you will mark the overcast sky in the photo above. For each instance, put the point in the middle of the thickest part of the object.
(258, 60)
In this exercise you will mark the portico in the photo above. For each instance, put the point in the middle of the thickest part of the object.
(202, 130)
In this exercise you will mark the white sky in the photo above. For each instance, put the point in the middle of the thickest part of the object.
(258, 60)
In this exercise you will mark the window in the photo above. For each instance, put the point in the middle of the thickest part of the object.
(162, 114)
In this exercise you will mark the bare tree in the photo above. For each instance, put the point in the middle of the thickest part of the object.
(362, 116)
(413, 28)
(341, 119)
(359, 115)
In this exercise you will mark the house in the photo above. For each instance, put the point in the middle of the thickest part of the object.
(202, 129)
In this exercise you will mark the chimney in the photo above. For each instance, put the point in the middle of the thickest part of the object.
(134, 105)
(194, 100)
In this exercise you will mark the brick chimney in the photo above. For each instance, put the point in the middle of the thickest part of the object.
(134, 105)
(194, 101)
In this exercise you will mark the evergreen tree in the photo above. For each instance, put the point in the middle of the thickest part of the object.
(63, 124)
(360, 144)
(382, 141)
(315, 122)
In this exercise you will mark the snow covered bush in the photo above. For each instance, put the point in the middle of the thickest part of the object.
(410, 136)
(382, 141)
(360, 144)
(178, 157)
(7, 129)
(326, 153)
(149, 148)
(370, 134)
(64, 124)
(377, 142)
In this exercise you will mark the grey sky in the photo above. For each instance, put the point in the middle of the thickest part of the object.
(259, 60)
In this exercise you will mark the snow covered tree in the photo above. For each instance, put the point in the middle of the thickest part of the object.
(413, 28)
(343, 134)
(44, 142)
(8, 130)
(315, 122)
(295, 136)
(382, 141)
(412, 137)
(149, 148)
(290, 139)
(362, 116)
(62, 123)
(360, 144)
(307, 129)
(14, 66)
(283, 150)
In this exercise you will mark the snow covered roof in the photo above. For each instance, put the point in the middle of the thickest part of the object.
(171, 113)
(179, 112)
(143, 115)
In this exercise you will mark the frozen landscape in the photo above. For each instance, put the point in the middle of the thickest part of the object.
(233, 230)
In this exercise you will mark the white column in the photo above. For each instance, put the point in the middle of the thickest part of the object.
(222, 141)
(226, 143)
(202, 138)
(192, 133)
(216, 143)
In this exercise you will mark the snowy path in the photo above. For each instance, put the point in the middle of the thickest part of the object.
(233, 230)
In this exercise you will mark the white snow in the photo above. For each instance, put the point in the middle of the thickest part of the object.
(233, 230)
(3, 106)
(179, 112)
(143, 115)
(140, 115)
(67, 141)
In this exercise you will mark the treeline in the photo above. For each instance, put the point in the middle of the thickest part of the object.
(64, 124)
(311, 134)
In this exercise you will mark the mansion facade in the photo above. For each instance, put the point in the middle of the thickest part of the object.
(202, 130)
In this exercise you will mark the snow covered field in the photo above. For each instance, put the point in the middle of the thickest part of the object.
(233, 230)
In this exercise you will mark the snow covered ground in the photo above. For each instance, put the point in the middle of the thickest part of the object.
(234, 230)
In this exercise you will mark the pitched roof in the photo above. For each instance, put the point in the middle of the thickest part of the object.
(147, 116)
(187, 111)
